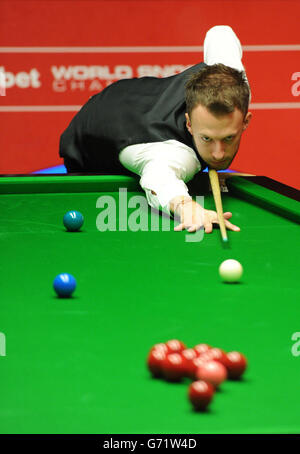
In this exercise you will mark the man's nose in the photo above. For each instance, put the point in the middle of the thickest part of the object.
(218, 152)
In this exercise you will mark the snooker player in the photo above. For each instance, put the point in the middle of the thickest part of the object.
(167, 129)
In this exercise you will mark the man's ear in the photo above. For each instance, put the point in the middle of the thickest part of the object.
(247, 120)
(188, 123)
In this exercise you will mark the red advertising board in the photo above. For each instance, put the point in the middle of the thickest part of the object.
(55, 55)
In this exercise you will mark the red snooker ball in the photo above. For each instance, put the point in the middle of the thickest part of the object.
(192, 366)
(173, 367)
(216, 354)
(154, 361)
(175, 346)
(202, 348)
(212, 372)
(236, 365)
(161, 346)
(188, 354)
(200, 394)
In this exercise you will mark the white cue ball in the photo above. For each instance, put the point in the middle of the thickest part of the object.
(231, 270)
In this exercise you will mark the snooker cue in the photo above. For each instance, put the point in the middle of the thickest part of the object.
(215, 186)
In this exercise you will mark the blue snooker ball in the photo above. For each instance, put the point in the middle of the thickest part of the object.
(73, 220)
(64, 284)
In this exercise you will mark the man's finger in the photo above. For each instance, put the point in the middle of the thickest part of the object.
(179, 227)
(233, 227)
(208, 227)
(193, 228)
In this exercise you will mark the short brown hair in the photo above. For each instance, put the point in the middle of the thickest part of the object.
(219, 88)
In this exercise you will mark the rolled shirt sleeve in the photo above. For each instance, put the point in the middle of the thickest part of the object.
(164, 168)
(221, 45)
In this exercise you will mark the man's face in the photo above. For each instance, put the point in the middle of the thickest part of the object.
(217, 139)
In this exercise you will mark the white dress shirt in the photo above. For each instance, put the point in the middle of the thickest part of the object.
(165, 167)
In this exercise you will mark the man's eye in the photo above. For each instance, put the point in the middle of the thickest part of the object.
(205, 139)
(228, 139)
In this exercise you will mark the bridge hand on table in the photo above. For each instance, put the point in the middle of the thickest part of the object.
(193, 217)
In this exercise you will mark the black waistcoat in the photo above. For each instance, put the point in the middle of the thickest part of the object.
(128, 112)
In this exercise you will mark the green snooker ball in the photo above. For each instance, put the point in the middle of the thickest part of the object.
(73, 221)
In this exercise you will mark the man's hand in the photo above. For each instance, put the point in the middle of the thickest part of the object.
(193, 216)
